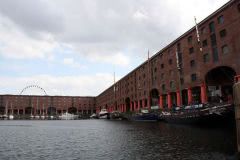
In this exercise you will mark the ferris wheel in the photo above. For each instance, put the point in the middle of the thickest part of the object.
(35, 87)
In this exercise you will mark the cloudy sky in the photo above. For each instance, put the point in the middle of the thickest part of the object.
(73, 47)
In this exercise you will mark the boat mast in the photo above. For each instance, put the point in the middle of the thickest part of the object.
(179, 75)
(197, 32)
(114, 90)
(11, 109)
(149, 77)
(6, 108)
(37, 105)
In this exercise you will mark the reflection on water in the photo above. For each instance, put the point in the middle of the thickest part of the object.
(102, 139)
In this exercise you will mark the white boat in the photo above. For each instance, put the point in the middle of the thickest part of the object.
(11, 117)
(93, 116)
(103, 114)
(5, 116)
(37, 117)
(68, 116)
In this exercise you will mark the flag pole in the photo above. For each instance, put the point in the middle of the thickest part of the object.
(149, 98)
(197, 32)
(179, 75)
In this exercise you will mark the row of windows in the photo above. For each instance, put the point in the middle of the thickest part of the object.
(211, 28)
(172, 83)
(206, 57)
(222, 33)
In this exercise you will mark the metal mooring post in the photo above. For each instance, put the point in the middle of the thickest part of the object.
(236, 94)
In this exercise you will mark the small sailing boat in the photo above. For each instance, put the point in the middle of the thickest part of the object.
(11, 117)
(68, 116)
(5, 116)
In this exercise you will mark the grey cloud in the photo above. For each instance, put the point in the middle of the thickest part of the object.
(104, 26)
(33, 15)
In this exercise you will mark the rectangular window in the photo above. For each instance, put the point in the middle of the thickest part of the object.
(220, 19)
(162, 65)
(204, 43)
(180, 57)
(215, 54)
(190, 39)
(178, 47)
(163, 87)
(191, 50)
(225, 49)
(206, 58)
(213, 40)
(170, 61)
(193, 77)
(192, 63)
(211, 27)
(223, 33)
(155, 70)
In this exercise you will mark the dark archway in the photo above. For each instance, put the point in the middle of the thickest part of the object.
(72, 110)
(2, 110)
(154, 94)
(28, 110)
(219, 83)
(51, 110)
(196, 95)
(115, 106)
(127, 102)
(184, 97)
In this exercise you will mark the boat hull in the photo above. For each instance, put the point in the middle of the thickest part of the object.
(145, 117)
(210, 116)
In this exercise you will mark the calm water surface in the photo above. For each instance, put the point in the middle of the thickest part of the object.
(103, 139)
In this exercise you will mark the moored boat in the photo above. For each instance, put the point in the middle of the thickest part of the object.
(144, 115)
(68, 116)
(10, 117)
(200, 114)
(116, 115)
(103, 114)
(94, 116)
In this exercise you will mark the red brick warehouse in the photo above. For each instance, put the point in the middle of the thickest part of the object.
(46, 105)
(207, 68)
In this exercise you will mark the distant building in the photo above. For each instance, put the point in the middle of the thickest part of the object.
(51, 105)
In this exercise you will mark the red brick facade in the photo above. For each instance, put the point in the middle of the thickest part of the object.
(206, 67)
(22, 104)
(157, 81)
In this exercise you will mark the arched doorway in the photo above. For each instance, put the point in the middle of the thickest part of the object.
(2, 110)
(219, 83)
(72, 110)
(154, 97)
(51, 110)
(28, 110)
(127, 102)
